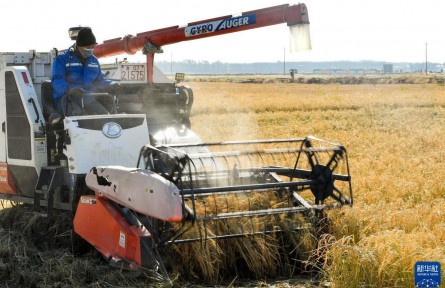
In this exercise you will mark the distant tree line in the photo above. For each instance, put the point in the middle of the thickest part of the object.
(279, 67)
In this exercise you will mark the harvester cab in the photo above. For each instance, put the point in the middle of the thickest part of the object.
(140, 181)
(165, 102)
(41, 158)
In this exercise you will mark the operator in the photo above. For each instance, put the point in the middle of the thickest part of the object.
(76, 73)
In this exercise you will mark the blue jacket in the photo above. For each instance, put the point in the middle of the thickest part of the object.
(68, 72)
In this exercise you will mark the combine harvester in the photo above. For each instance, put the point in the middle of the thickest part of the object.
(140, 183)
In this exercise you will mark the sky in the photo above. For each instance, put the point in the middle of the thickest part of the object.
(379, 30)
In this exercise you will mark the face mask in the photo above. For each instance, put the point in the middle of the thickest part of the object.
(86, 52)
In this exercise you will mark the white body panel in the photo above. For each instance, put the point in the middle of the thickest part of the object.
(33, 113)
(91, 147)
(141, 190)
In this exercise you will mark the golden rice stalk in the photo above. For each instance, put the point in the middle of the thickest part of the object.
(256, 255)
(202, 257)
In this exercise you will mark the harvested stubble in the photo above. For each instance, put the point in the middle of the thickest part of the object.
(36, 251)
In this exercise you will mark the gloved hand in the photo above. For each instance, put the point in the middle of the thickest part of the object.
(76, 92)
(114, 88)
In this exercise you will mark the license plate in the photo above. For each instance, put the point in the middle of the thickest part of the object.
(133, 72)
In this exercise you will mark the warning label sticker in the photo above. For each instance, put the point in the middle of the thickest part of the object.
(122, 239)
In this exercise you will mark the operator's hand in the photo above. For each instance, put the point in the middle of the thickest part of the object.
(76, 92)
(114, 88)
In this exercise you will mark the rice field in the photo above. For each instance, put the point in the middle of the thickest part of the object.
(394, 134)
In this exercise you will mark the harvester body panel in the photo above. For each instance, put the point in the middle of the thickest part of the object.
(104, 140)
(140, 190)
(103, 226)
(23, 142)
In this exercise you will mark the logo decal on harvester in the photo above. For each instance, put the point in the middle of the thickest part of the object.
(219, 25)
(112, 130)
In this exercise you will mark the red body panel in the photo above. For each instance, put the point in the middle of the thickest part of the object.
(101, 224)
(7, 185)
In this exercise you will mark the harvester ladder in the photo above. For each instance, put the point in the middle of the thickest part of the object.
(51, 177)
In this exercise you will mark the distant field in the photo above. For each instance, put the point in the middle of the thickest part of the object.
(434, 78)
(394, 134)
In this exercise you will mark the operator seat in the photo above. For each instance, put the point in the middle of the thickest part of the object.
(52, 117)
(48, 104)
